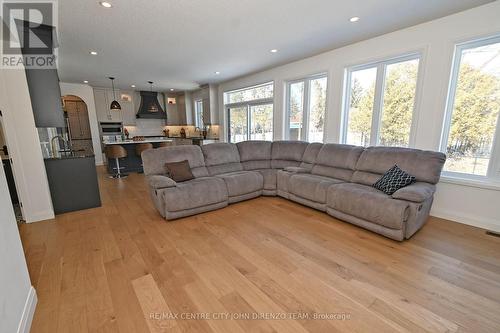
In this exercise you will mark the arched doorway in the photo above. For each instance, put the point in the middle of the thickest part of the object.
(77, 117)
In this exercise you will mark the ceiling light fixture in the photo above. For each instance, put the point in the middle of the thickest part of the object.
(274, 50)
(114, 105)
(132, 86)
(354, 19)
(152, 106)
(217, 73)
(171, 89)
(85, 81)
(93, 52)
(105, 4)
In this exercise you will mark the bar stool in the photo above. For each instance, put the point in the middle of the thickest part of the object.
(140, 147)
(165, 144)
(116, 152)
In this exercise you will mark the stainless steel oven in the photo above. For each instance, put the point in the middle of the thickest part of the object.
(111, 128)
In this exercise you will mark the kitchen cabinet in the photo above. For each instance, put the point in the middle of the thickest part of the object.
(128, 112)
(181, 110)
(78, 119)
(103, 98)
(45, 94)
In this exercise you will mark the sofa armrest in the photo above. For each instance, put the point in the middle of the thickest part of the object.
(296, 170)
(158, 182)
(416, 192)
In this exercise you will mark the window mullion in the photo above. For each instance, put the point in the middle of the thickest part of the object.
(377, 105)
(249, 122)
(305, 111)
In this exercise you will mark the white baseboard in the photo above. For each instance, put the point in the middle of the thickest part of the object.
(28, 312)
(488, 224)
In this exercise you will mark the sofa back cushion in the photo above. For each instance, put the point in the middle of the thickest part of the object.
(255, 154)
(337, 161)
(425, 165)
(310, 155)
(287, 153)
(154, 160)
(221, 158)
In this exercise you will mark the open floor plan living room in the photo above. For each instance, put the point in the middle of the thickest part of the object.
(250, 166)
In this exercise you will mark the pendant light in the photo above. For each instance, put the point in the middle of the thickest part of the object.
(152, 106)
(114, 105)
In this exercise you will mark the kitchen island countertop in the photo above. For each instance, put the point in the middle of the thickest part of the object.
(128, 142)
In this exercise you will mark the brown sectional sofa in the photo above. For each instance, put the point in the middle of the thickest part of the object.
(333, 178)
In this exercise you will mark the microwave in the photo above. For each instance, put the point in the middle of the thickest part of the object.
(109, 128)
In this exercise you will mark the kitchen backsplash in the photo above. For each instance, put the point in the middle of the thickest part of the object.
(213, 131)
(155, 127)
(146, 127)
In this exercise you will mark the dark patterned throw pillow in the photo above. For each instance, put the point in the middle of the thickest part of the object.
(393, 180)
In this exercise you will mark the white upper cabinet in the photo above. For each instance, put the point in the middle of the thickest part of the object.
(103, 98)
(128, 108)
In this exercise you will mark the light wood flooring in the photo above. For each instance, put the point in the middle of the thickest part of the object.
(269, 264)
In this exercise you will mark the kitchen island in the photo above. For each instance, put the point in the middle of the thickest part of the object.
(133, 163)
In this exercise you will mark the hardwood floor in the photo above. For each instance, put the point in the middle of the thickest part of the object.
(270, 264)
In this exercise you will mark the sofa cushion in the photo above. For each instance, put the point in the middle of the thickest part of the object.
(221, 158)
(154, 160)
(368, 203)
(255, 154)
(310, 155)
(424, 165)
(194, 193)
(337, 161)
(270, 178)
(242, 182)
(287, 153)
(311, 187)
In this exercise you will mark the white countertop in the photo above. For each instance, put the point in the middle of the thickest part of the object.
(126, 142)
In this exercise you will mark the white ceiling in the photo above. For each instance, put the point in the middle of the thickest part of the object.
(181, 43)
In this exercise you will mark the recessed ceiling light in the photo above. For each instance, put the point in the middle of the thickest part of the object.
(354, 19)
(217, 73)
(85, 81)
(105, 4)
(93, 52)
(132, 86)
(171, 89)
(274, 50)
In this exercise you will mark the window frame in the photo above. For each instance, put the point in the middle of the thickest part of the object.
(247, 105)
(306, 109)
(493, 171)
(198, 107)
(378, 105)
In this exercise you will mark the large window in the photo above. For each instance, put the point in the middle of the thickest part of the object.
(380, 101)
(306, 108)
(250, 113)
(471, 122)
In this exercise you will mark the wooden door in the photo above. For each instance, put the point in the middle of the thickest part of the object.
(83, 120)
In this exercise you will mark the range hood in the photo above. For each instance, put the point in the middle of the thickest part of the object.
(150, 107)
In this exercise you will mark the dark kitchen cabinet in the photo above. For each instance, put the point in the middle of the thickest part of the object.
(45, 93)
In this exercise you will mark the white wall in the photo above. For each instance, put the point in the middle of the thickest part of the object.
(17, 297)
(86, 93)
(436, 40)
(24, 146)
